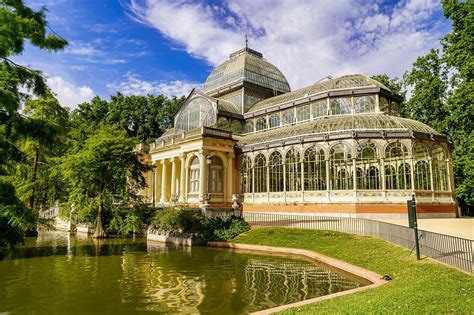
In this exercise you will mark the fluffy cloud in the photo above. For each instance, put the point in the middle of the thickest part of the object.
(307, 40)
(131, 84)
(69, 94)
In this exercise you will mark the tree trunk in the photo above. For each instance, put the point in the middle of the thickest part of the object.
(99, 229)
(33, 179)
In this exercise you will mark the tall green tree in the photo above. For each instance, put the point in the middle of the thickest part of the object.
(18, 24)
(103, 172)
(43, 139)
(428, 77)
(458, 53)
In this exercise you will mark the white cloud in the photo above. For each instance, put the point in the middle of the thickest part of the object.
(131, 84)
(307, 40)
(82, 49)
(69, 94)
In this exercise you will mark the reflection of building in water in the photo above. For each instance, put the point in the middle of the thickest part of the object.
(290, 281)
(164, 289)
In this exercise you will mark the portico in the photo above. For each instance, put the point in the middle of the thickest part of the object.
(191, 169)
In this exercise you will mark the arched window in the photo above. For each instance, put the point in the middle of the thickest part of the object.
(248, 126)
(194, 175)
(217, 178)
(314, 169)
(320, 108)
(260, 173)
(368, 163)
(302, 113)
(364, 104)
(197, 113)
(422, 168)
(340, 106)
(274, 120)
(396, 160)
(261, 124)
(288, 116)
(340, 163)
(275, 164)
(440, 176)
(293, 170)
(236, 126)
(246, 175)
(223, 123)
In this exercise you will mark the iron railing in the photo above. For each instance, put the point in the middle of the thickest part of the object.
(451, 250)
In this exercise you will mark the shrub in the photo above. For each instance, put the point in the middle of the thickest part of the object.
(227, 230)
(191, 221)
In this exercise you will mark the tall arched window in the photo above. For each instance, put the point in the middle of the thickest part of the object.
(340, 106)
(260, 173)
(397, 167)
(368, 166)
(275, 164)
(194, 175)
(248, 126)
(293, 170)
(422, 167)
(261, 124)
(274, 120)
(198, 112)
(440, 176)
(340, 162)
(246, 175)
(216, 177)
(302, 113)
(314, 169)
(288, 116)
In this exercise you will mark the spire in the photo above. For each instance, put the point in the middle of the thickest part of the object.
(246, 41)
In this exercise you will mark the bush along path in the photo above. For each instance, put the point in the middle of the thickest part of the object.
(194, 224)
(417, 287)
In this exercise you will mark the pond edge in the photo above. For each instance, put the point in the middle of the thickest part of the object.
(371, 276)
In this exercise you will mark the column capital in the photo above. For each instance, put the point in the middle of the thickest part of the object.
(163, 162)
(172, 159)
(203, 152)
(230, 155)
(182, 155)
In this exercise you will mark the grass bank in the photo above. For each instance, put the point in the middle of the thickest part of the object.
(418, 287)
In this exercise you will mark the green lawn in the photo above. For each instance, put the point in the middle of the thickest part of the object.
(418, 287)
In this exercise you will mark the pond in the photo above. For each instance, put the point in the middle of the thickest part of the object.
(62, 274)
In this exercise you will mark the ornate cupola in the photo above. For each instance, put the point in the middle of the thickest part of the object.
(245, 79)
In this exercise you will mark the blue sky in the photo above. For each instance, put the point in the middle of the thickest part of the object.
(170, 46)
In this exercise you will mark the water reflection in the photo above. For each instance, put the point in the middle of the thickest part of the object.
(57, 273)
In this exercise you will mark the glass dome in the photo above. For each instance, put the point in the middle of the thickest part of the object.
(246, 65)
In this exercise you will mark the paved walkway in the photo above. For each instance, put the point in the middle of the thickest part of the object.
(460, 227)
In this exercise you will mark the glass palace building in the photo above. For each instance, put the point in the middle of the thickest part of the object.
(338, 147)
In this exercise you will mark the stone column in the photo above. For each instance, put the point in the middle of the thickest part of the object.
(202, 174)
(164, 178)
(382, 174)
(173, 177)
(354, 175)
(230, 164)
(182, 177)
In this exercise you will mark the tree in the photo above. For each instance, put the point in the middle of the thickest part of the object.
(103, 173)
(143, 118)
(43, 139)
(17, 24)
(428, 77)
(458, 47)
